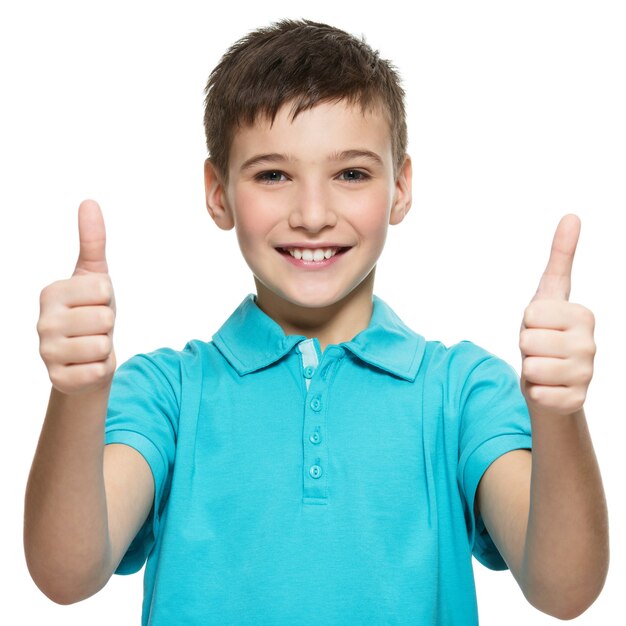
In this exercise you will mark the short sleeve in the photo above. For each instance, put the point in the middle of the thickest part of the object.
(494, 420)
(143, 412)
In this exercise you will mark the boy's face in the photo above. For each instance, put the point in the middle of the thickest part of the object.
(322, 180)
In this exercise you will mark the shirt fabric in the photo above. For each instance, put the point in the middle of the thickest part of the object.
(295, 487)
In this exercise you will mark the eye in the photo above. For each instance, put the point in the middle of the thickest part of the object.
(270, 177)
(354, 175)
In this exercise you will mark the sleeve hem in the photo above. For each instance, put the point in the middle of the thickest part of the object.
(474, 467)
(135, 557)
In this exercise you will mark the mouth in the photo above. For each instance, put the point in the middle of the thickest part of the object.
(304, 258)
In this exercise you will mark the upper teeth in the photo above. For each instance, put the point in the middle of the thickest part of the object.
(312, 255)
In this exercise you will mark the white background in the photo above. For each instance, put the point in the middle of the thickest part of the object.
(516, 117)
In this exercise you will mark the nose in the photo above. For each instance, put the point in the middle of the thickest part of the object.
(312, 208)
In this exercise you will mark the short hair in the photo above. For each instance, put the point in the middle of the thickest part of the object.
(302, 62)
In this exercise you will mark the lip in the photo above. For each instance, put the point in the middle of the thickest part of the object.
(312, 246)
(313, 265)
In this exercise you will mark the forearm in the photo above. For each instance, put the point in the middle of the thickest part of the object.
(66, 536)
(566, 549)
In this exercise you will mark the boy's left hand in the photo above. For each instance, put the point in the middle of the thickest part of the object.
(556, 337)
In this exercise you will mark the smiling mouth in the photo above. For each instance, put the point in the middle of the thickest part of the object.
(312, 255)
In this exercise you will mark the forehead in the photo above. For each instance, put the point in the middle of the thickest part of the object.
(315, 133)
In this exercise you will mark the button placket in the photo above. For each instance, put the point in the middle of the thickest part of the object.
(315, 451)
(315, 448)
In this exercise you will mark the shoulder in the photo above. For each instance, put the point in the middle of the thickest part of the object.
(407, 352)
(460, 358)
(165, 367)
(465, 371)
(169, 361)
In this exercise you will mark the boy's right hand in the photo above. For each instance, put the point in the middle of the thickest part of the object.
(77, 315)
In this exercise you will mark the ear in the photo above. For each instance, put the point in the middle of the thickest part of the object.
(403, 196)
(216, 202)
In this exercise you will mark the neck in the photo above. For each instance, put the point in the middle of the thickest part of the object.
(332, 324)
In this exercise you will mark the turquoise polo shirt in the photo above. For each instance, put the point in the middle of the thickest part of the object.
(295, 487)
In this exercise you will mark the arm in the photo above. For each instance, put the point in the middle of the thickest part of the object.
(546, 511)
(84, 501)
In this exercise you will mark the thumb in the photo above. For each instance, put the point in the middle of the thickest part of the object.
(556, 282)
(92, 236)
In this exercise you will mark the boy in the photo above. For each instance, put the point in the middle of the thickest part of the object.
(317, 461)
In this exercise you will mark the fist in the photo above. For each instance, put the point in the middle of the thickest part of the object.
(77, 315)
(556, 336)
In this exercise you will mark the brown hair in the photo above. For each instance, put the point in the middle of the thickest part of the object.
(303, 62)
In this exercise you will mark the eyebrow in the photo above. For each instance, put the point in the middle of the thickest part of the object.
(272, 157)
(345, 155)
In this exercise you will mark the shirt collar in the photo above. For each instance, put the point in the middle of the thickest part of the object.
(250, 339)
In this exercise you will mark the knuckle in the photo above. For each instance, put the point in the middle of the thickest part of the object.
(532, 313)
(43, 326)
(47, 295)
(104, 344)
(56, 376)
(52, 292)
(95, 285)
(532, 365)
(581, 377)
(586, 350)
(527, 370)
(528, 315)
(524, 340)
(49, 290)
(94, 373)
(587, 316)
(49, 324)
(80, 378)
(107, 317)
(87, 375)
(576, 401)
(101, 370)
(47, 352)
(593, 348)
(105, 287)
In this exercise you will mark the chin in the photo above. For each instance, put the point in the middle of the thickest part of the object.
(306, 295)
(315, 301)
(308, 300)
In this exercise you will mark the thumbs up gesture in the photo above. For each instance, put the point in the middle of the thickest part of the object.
(556, 336)
(77, 315)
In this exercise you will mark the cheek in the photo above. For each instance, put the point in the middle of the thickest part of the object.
(253, 215)
(370, 215)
